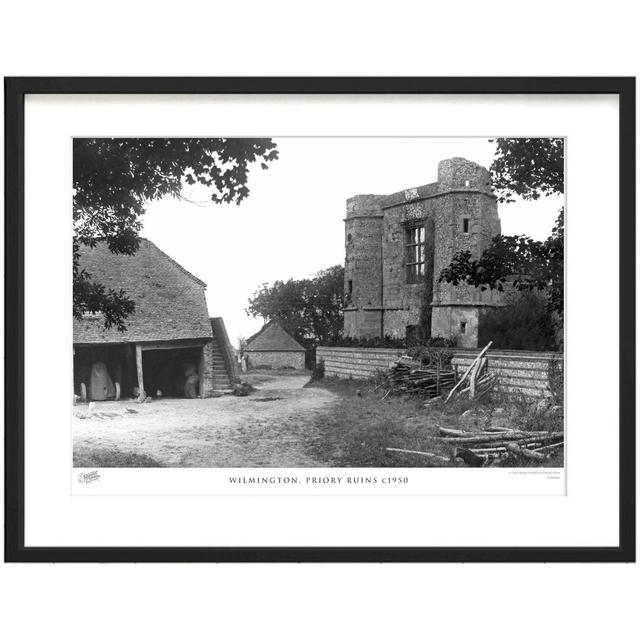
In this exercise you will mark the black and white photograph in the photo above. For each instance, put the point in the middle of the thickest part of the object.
(318, 302)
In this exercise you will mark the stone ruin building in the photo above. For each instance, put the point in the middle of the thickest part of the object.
(397, 245)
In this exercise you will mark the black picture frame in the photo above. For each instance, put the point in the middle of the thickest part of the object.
(15, 91)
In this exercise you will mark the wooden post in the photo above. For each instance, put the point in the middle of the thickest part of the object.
(468, 371)
(142, 395)
(201, 373)
(472, 379)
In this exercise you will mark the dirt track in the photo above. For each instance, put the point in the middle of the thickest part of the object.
(252, 431)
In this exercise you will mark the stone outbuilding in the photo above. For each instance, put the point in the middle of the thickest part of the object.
(274, 347)
(397, 245)
(171, 348)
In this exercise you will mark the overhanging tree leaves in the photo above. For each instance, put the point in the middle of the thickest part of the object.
(310, 309)
(115, 178)
(525, 263)
(529, 168)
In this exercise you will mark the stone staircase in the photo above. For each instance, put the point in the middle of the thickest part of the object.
(223, 370)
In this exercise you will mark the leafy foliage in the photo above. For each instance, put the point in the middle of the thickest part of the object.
(310, 309)
(435, 351)
(115, 178)
(528, 167)
(526, 263)
(427, 349)
(524, 323)
(387, 342)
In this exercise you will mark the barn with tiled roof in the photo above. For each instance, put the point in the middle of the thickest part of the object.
(273, 346)
(169, 347)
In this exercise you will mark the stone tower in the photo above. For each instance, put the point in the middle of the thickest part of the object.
(363, 266)
(397, 245)
(467, 220)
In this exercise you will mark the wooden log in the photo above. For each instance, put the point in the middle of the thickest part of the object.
(497, 437)
(546, 447)
(457, 433)
(483, 391)
(427, 454)
(482, 450)
(488, 450)
(466, 373)
(489, 431)
(525, 453)
(472, 379)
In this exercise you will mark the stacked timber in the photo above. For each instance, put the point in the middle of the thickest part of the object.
(407, 375)
(479, 448)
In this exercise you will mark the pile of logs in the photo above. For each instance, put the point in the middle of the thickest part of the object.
(410, 376)
(479, 448)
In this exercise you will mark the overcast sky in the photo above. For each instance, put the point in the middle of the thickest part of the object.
(291, 225)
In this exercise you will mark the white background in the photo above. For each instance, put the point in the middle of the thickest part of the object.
(548, 38)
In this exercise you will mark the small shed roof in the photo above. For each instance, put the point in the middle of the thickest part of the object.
(273, 337)
(170, 301)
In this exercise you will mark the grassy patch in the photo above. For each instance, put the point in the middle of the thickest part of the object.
(363, 423)
(89, 457)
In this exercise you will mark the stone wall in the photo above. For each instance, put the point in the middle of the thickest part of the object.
(524, 373)
(276, 359)
(519, 372)
(206, 370)
(458, 322)
(351, 362)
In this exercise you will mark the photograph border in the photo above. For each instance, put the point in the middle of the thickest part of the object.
(15, 91)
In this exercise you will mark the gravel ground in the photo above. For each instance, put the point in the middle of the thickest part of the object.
(265, 429)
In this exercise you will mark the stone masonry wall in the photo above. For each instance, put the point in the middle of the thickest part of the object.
(347, 362)
(519, 373)
(276, 359)
(206, 370)
(448, 321)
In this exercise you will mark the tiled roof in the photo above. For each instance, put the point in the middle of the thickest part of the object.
(170, 301)
(273, 337)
